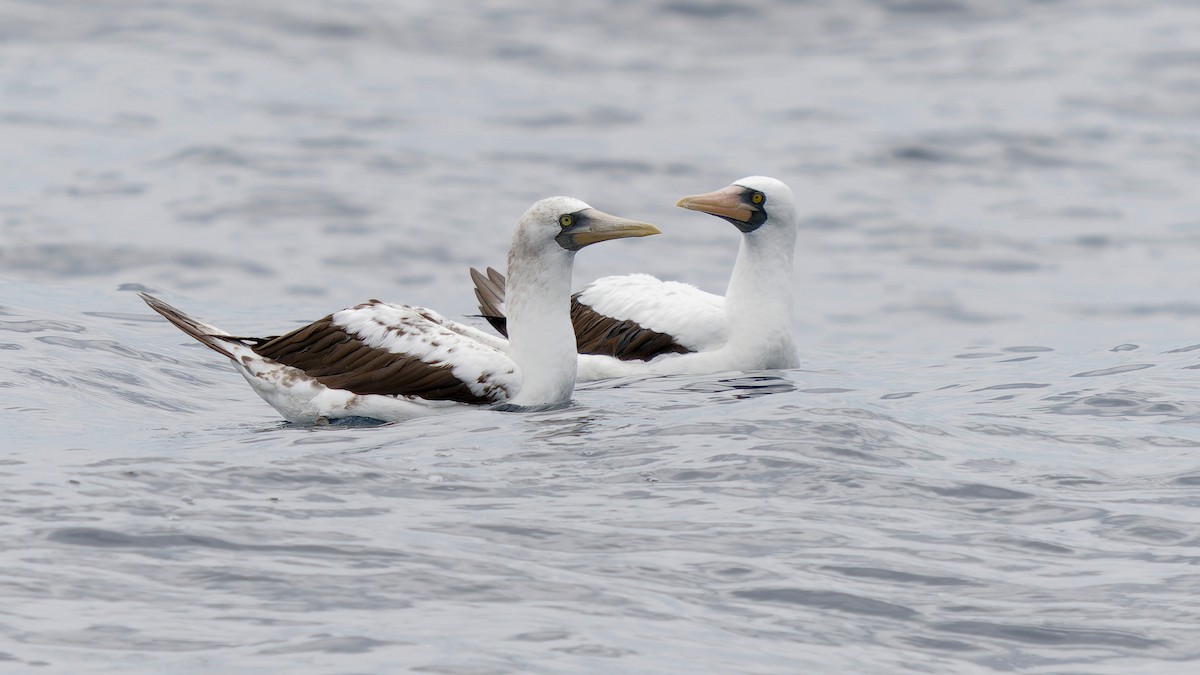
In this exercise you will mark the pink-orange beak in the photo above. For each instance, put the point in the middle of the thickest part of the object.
(727, 203)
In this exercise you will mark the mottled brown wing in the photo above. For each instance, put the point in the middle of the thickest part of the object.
(338, 360)
(595, 333)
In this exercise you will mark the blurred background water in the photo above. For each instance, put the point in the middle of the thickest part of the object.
(990, 460)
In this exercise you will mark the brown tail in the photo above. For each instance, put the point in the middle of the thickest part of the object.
(489, 290)
(207, 335)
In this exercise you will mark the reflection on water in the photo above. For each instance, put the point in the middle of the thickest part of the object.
(987, 461)
(748, 386)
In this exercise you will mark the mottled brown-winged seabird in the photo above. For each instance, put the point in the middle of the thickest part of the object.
(637, 324)
(394, 362)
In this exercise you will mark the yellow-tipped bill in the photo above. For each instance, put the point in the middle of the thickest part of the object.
(590, 226)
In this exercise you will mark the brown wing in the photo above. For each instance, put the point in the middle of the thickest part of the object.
(489, 290)
(339, 360)
(595, 333)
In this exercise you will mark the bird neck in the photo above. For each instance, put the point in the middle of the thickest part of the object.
(759, 301)
(541, 339)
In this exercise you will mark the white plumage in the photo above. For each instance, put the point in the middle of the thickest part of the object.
(422, 333)
(694, 318)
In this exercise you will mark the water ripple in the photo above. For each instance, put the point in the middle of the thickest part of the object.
(832, 600)
(1048, 635)
(988, 461)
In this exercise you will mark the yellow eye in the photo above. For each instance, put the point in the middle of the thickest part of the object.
(565, 220)
(757, 197)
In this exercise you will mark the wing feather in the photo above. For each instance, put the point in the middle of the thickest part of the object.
(693, 318)
(596, 333)
(395, 350)
(633, 317)
(489, 290)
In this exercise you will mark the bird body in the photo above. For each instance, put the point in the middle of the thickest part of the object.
(394, 362)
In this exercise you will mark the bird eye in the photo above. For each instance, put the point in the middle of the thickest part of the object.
(757, 198)
(566, 220)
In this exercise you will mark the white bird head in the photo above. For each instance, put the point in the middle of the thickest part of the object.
(568, 224)
(750, 203)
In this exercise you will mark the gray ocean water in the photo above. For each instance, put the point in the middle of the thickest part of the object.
(989, 462)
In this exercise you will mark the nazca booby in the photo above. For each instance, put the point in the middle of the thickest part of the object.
(393, 362)
(637, 324)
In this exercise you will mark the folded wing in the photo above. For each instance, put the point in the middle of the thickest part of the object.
(372, 348)
(633, 317)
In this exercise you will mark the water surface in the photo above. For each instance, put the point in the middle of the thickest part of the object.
(989, 460)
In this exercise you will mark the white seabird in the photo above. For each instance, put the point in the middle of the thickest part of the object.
(393, 362)
(635, 324)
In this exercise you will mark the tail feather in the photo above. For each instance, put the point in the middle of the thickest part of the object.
(489, 290)
(210, 336)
